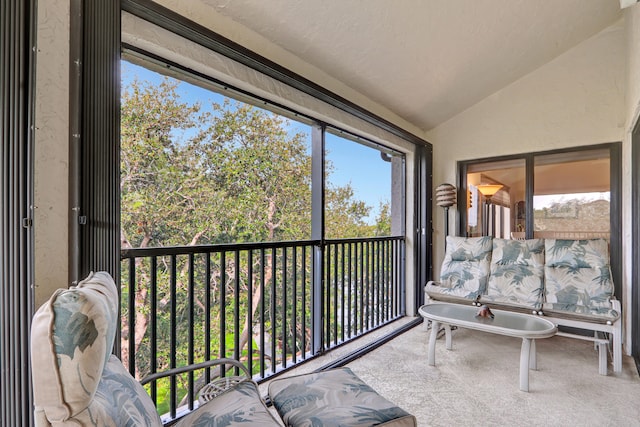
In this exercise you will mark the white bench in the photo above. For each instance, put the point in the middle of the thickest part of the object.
(565, 281)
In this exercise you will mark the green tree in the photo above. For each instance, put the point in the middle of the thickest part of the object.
(345, 216)
(383, 219)
(230, 173)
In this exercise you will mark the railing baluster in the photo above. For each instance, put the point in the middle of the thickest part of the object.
(327, 295)
(398, 282)
(387, 280)
(284, 307)
(336, 276)
(173, 340)
(367, 294)
(390, 280)
(131, 336)
(361, 286)
(223, 309)
(236, 310)
(191, 317)
(375, 312)
(274, 319)
(294, 307)
(250, 310)
(349, 292)
(207, 315)
(378, 278)
(403, 289)
(262, 308)
(342, 291)
(304, 302)
(153, 324)
(385, 273)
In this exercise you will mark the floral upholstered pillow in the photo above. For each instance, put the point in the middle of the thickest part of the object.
(465, 268)
(76, 380)
(578, 277)
(517, 273)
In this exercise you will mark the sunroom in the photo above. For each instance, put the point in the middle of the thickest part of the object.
(538, 98)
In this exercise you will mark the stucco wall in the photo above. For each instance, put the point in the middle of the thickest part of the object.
(51, 149)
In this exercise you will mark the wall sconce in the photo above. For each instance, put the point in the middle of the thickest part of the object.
(446, 197)
(487, 191)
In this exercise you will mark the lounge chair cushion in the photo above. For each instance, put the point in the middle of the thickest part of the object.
(240, 405)
(335, 397)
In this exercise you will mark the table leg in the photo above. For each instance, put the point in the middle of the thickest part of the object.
(525, 353)
(602, 357)
(533, 360)
(432, 342)
(447, 335)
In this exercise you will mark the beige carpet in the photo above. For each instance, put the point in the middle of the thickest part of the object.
(476, 383)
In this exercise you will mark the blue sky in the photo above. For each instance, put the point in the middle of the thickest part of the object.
(353, 163)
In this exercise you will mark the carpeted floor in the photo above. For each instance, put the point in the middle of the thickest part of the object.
(476, 383)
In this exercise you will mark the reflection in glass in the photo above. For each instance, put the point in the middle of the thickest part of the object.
(572, 194)
(495, 192)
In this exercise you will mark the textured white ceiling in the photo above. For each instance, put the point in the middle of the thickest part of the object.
(425, 60)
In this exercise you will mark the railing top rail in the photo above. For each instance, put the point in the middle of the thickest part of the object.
(202, 249)
(231, 247)
(365, 239)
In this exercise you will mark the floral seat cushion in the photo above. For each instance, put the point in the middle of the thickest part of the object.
(239, 406)
(334, 398)
(517, 273)
(465, 269)
(578, 279)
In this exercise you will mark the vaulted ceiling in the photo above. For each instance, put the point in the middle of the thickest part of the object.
(424, 60)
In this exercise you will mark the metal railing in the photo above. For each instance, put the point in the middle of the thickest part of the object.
(268, 305)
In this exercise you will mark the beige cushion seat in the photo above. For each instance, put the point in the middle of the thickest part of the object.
(336, 397)
(465, 270)
(578, 280)
(517, 275)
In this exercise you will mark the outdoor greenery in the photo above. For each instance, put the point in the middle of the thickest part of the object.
(194, 174)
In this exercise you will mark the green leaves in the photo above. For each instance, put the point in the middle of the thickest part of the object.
(196, 173)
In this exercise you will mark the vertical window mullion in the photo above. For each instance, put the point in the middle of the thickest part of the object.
(317, 234)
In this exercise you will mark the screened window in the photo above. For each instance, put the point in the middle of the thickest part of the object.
(203, 164)
(201, 167)
(359, 199)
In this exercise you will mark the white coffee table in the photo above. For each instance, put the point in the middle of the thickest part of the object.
(519, 325)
